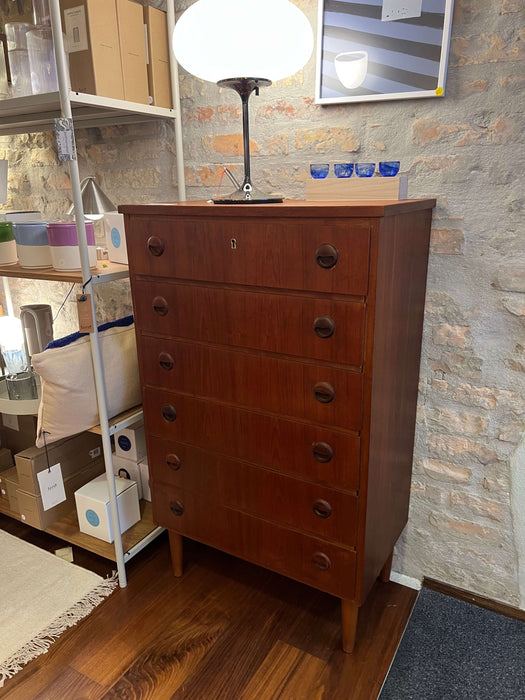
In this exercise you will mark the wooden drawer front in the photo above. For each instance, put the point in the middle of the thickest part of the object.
(302, 557)
(289, 388)
(315, 509)
(276, 323)
(287, 446)
(309, 255)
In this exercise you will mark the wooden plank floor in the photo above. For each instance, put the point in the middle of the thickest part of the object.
(226, 630)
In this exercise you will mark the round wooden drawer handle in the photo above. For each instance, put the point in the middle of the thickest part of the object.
(166, 361)
(324, 327)
(177, 508)
(169, 413)
(160, 306)
(173, 462)
(322, 508)
(326, 256)
(321, 561)
(322, 451)
(155, 246)
(324, 392)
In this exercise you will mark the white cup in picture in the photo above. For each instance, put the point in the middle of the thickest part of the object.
(351, 68)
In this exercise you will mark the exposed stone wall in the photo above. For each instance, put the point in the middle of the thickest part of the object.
(466, 149)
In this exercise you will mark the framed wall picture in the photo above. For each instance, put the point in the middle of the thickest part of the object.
(382, 49)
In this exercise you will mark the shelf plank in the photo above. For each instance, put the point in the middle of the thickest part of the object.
(67, 529)
(38, 112)
(122, 420)
(105, 271)
(20, 407)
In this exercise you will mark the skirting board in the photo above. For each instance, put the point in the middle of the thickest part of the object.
(357, 188)
(407, 581)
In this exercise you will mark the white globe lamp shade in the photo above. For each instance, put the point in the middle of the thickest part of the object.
(220, 39)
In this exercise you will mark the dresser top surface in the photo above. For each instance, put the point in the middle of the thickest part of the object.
(289, 208)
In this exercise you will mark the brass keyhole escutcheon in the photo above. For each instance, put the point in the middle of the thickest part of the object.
(233, 244)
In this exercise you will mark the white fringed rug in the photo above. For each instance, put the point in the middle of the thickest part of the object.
(41, 596)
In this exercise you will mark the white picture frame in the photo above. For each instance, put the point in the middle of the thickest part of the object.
(369, 50)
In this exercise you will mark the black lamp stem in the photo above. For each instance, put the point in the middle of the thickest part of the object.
(245, 96)
(248, 194)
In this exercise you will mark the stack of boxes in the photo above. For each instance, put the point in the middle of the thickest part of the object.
(118, 49)
(130, 460)
(80, 459)
(131, 481)
(83, 471)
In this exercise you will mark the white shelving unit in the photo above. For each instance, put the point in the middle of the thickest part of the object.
(37, 113)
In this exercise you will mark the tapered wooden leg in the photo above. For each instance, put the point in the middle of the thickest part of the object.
(384, 575)
(176, 553)
(349, 615)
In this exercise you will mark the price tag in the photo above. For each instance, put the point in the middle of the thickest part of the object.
(65, 139)
(85, 313)
(51, 486)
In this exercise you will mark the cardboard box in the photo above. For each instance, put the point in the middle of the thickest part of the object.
(21, 435)
(127, 469)
(95, 65)
(144, 479)
(92, 500)
(73, 454)
(159, 77)
(116, 238)
(3, 487)
(8, 488)
(130, 443)
(132, 51)
(30, 506)
(6, 459)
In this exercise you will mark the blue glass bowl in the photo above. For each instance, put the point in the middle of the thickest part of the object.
(365, 169)
(343, 169)
(319, 170)
(389, 168)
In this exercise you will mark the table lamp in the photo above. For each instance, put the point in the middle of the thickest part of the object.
(95, 201)
(243, 45)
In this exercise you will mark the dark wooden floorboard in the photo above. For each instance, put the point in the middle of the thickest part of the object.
(226, 630)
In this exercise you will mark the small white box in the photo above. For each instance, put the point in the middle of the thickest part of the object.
(127, 469)
(130, 443)
(116, 237)
(144, 479)
(94, 516)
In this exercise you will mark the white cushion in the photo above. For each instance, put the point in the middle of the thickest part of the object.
(68, 405)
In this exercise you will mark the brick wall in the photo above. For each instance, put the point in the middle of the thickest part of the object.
(466, 525)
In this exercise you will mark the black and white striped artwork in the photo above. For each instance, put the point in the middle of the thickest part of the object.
(382, 49)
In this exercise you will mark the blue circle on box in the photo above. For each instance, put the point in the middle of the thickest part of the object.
(115, 237)
(124, 443)
(92, 518)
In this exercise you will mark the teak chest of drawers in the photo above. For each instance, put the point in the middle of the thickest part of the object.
(279, 350)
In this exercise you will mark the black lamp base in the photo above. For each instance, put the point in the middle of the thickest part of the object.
(248, 196)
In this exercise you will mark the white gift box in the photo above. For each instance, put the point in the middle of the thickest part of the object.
(115, 238)
(130, 443)
(92, 501)
(144, 479)
(127, 469)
